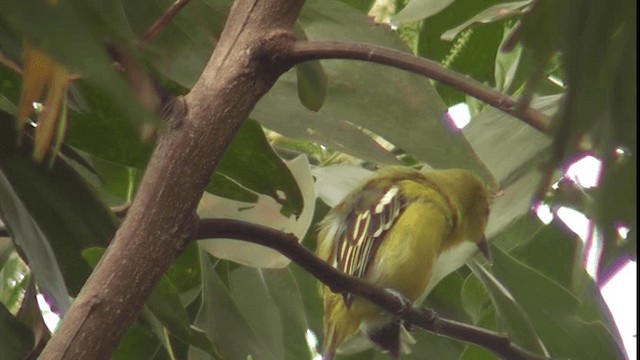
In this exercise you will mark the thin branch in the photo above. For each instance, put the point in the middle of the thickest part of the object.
(302, 51)
(10, 63)
(160, 24)
(288, 245)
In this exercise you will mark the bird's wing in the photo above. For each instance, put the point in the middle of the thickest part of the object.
(364, 229)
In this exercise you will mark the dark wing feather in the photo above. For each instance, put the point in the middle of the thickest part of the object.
(365, 228)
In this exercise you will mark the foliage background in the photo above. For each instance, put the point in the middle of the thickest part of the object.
(537, 291)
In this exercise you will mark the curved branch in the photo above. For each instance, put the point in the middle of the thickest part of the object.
(302, 51)
(287, 244)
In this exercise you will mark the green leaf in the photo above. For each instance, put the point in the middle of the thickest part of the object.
(165, 302)
(362, 5)
(256, 303)
(557, 264)
(493, 134)
(11, 45)
(252, 163)
(619, 188)
(513, 319)
(311, 300)
(474, 352)
(105, 132)
(472, 53)
(312, 80)
(420, 9)
(511, 204)
(271, 301)
(184, 273)
(553, 310)
(445, 298)
(139, 343)
(598, 43)
(28, 236)
(363, 98)
(312, 84)
(117, 180)
(487, 320)
(54, 215)
(619, 181)
(73, 32)
(285, 293)
(489, 15)
(514, 68)
(265, 212)
(6, 248)
(544, 28)
(10, 86)
(227, 188)
(182, 50)
(106, 136)
(430, 346)
(508, 67)
(558, 253)
(222, 320)
(474, 298)
(16, 340)
(519, 231)
(14, 278)
(31, 315)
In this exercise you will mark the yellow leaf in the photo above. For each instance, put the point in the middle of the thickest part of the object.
(40, 72)
(49, 118)
(38, 67)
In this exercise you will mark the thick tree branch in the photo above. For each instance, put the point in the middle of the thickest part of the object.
(288, 245)
(161, 217)
(302, 51)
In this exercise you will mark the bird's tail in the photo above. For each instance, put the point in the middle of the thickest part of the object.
(339, 324)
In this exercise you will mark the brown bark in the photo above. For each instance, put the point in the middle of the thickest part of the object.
(162, 215)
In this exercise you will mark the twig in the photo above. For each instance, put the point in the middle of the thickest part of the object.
(302, 51)
(162, 22)
(288, 245)
(10, 63)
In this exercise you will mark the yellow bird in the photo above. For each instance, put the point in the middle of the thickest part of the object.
(391, 231)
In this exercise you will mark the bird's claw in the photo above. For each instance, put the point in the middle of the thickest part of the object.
(406, 304)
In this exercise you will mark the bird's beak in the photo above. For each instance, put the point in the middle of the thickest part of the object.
(483, 245)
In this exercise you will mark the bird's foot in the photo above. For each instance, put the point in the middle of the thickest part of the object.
(405, 304)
